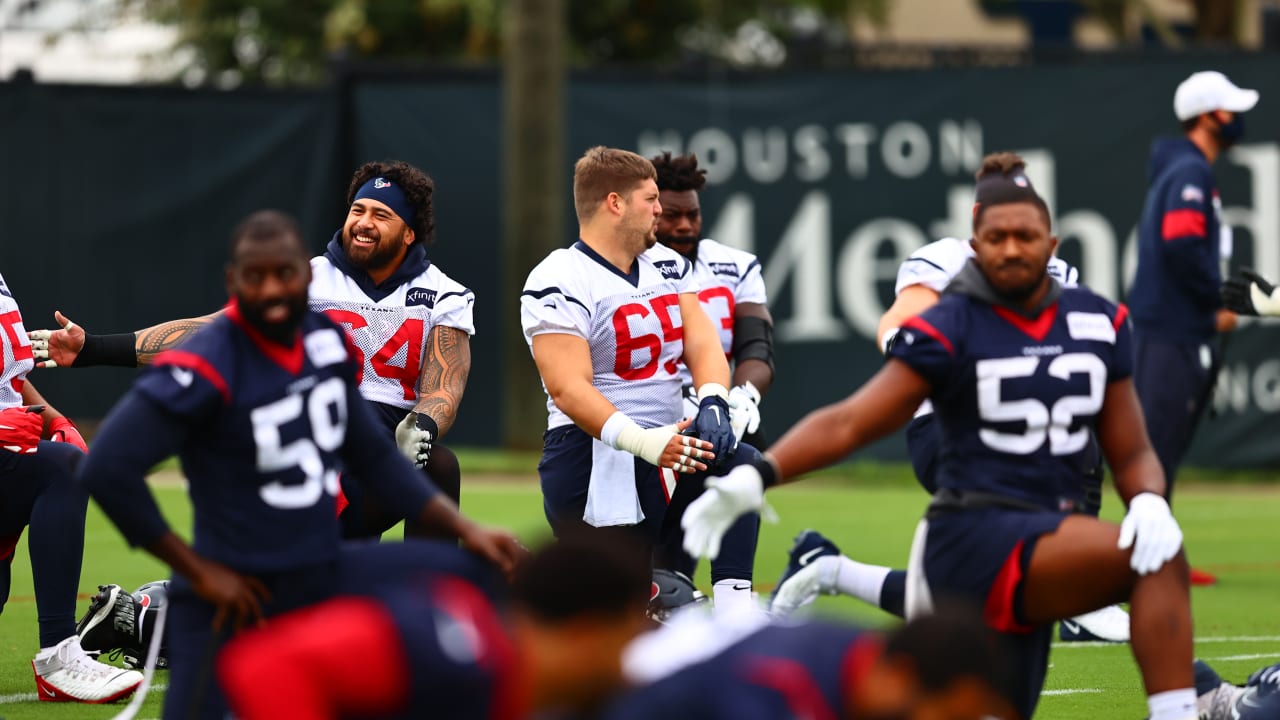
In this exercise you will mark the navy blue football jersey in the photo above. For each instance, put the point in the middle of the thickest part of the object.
(262, 431)
(1018, 399)
(777, 673)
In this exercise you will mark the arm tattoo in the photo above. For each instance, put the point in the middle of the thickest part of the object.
(154, 340)
(444, 375)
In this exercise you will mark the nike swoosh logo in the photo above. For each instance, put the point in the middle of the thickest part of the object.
(808, 557)
(742, 587)
(1071, 627)
(49, 692)
(716, 410)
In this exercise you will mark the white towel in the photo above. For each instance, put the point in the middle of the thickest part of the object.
(611, 492)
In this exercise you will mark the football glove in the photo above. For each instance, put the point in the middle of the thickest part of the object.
(414, 436)
(20, 428)
(1149, 528)
(726, 498)
(713, 425)
(744, 409)
(63, 430)
(1250, 294)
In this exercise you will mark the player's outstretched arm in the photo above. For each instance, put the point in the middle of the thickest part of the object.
(444, 375)
(564, 362)
(913, 300)
(71, 346)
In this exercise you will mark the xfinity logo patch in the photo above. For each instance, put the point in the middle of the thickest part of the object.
(668, 268)
(420, 296)
(720, 268)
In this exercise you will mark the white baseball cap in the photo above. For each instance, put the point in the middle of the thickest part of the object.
(1210, 90)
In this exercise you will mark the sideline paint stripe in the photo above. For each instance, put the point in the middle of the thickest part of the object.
(1238, 638)
(32, 697)
(1071, 691)
(1258, 656)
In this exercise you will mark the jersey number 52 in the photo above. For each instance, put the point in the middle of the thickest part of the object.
(1051, 422)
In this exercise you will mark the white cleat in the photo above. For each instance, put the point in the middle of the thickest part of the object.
(65, 673)
(1110, 624)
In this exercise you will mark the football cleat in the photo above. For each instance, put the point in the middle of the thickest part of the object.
(1202, 578)
(809, 545)
(1110, 624)
(65, 673)
(108, 624)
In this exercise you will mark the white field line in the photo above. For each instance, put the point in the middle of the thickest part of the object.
(1237, 638)
(1258, 656)
(1070, 691)
(32, 697)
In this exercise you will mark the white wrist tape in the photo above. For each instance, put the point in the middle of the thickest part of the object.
(706, 390)
(621, 433)
(887, 340)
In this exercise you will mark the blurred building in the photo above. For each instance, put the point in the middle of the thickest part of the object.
(82, 41)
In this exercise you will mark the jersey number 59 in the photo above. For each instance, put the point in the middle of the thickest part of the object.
(326, 408)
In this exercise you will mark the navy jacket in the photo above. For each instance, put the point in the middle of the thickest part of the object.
(1175, 293)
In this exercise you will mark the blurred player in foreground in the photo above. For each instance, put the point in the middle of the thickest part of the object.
(1020, 372)
(609, 321)
(262, 408)
(39, 453)
(815, 565)
(410, 325)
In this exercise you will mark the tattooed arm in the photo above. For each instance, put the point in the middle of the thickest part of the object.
(71, 346)
(444, 375)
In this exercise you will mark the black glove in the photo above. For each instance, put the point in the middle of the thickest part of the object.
(1250, 294)
(712, 424)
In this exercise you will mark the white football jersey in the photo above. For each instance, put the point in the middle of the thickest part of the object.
(391, 333)
(631, 323)
(935, 264)
(18, 359)
(727, 276)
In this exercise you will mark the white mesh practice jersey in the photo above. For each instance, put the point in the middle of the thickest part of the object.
(935, 264)
(727, 276)
(631, 323)
(18, 360)
(391, 333)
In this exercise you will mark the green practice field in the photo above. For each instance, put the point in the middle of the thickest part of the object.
(869, 510)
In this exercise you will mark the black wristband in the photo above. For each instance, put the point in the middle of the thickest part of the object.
(117, 350)
(423, 421)
(768, 473)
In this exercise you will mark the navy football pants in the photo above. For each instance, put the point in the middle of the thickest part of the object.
(39, 489)
(1174, 384)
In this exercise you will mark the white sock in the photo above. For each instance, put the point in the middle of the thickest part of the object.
(1173, 705)
(733, 597)
(860, 580)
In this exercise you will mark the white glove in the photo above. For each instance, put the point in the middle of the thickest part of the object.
(744, 409)
(1149, 528)
(727, 498)
(414, 436)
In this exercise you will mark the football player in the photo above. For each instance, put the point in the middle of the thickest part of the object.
(922, 279)
(732, 294)
(609, 322)
(39, 452)
(409, 322)
(262, 408)
(437, 645)
(941, 666)
(1022, 373)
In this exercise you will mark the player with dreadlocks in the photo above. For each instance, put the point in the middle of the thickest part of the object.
(733, 296)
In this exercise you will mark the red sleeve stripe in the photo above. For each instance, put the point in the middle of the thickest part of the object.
(198, 365)
(917, 323)
(1182, 223)
(1122, 314)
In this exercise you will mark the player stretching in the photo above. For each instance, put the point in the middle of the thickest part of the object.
(733, 296)
(410, 323)
(815, 564)
(262, 408)
(1020, 371)
(609, 320)
(39, 453)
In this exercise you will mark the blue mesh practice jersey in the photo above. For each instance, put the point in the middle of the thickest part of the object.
(1017, 398)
